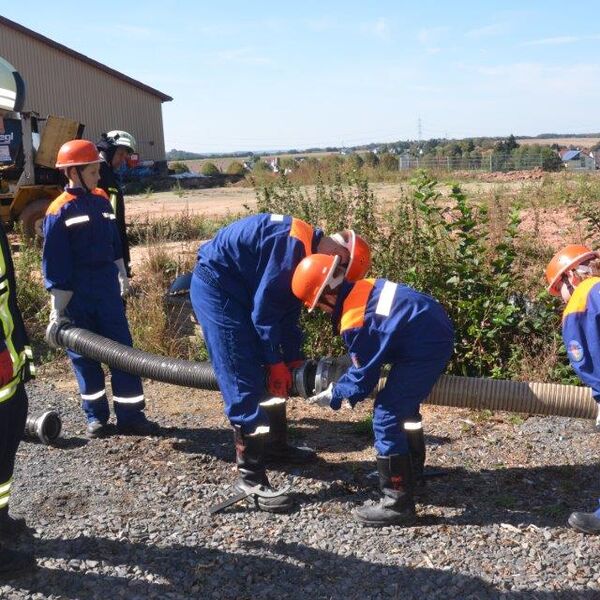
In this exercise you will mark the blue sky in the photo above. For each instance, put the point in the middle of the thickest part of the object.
(266, 75)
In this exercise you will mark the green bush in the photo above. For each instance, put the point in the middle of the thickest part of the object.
(210, 169)
(179, 167)
(388, 162)
(446, 247)
(235, 168)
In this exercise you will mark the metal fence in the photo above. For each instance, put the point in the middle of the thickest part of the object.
(494, 162)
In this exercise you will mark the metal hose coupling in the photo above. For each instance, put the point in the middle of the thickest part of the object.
(44, 428)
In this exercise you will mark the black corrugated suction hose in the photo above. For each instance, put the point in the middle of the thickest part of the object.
(186, 373)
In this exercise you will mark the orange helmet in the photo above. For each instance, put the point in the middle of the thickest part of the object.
(566, 259)
(360, 253)
(77, 153)
(311, 277)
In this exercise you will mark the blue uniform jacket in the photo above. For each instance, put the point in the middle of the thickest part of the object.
(581, 333)
(382, 322)
(81, 242)
(253, 260)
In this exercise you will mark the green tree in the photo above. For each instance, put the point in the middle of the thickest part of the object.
(371, 159)
(235, 168)
(179, 167)
(210, 169)
(388, 162)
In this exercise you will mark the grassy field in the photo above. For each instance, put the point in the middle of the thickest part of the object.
(582, 142)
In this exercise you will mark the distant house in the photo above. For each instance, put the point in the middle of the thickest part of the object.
(578, 160)
(595, 154)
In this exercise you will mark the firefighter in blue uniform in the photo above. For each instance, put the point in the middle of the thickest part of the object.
(382, 322)
(571, 276)
(85, 274)
(16, 367)
(115, 148)
(241, 295)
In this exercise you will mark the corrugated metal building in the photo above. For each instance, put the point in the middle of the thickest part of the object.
(105, 98)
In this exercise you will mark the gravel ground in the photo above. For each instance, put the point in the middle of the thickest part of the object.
(126, 517)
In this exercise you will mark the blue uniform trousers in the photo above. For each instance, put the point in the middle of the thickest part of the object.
(235, 351)
(409, 382)
(105, 316)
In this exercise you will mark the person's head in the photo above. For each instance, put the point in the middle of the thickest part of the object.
(80, 162)
(117, 146)
(353, 250)
(568, 268)
(316, 281)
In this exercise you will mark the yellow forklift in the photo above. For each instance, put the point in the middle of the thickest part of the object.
(28, 147)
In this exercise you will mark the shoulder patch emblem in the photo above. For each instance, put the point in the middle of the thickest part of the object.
(575, 351)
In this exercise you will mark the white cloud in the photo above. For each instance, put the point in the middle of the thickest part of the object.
(136, 32)
(380, 28)
(243, 56)
(560, 40)
(430, 35)
(540, 80)
(487, 31)
(552, 41)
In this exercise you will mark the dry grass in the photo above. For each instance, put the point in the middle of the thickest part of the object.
(583, 142)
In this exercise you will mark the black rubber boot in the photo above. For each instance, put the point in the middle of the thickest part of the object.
(396, 506)
(141, 427)
(277, 448)
(249, 454)
(585, 522)
(413, 428)
(11, 527)
(95, 430)
(14, 563)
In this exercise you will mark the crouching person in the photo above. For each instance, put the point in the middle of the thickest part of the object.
(382, 322)
(85, 274)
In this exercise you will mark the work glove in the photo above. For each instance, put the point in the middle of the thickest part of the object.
(123, 279)
(324, 398)
(6, 367)
(294, 364)
(279, 380)
(59, 299)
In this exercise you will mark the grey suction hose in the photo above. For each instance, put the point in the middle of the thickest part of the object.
(493, 394)
(315, 376)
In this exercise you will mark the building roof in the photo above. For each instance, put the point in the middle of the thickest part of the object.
(90, 61)
(571, 154)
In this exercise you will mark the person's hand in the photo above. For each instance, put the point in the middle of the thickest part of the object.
(279, 380)
(324, 398)
(124, 286)
(6, 367)
(123, 278)
(294, 364)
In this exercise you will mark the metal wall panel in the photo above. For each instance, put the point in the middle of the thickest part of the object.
(62, 85)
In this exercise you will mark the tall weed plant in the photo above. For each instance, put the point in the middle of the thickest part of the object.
(445, 246)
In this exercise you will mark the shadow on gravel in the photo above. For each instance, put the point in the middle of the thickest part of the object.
(70, 443)
(542, 496)
(264, 570)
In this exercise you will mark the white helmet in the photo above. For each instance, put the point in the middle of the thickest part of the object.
(122, 138)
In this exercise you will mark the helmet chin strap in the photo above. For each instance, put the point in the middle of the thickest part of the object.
(81, 181)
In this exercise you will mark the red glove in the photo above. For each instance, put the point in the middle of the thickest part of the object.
(279, 380)
(295, 364)
(6, 367)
